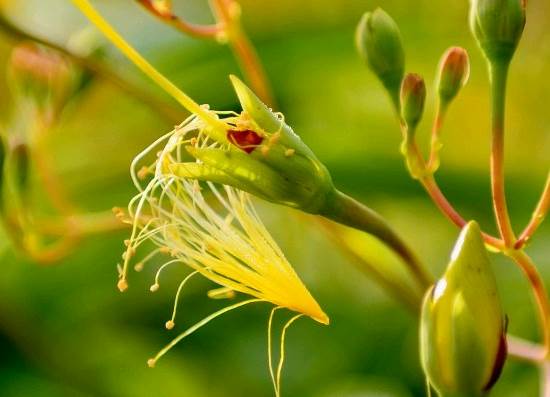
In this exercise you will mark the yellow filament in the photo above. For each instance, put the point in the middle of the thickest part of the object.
(151, 362)
(93, 15)
(180, 287)
(269, 347)
(276, 378)
(282, 358)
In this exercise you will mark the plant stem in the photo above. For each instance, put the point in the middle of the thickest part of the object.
(525, 350)
(538, 216)
(535, 280)
(499, 75)
(228, 27)
(229, 14)
(202, 31)
(347, 211)
(435, 147)
(404, 295)
(427, 179)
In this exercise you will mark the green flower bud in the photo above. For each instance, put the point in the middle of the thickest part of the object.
(454, 71)
(497, 26)
(413, 98)
(379, 43)
(462, 331)
(40, 74)
(263, 156)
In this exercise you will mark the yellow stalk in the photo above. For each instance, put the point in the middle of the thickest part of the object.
(93, 15)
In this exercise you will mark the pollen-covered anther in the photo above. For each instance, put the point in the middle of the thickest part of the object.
(170, 324)
(164, 250)
(122, 285)
(129, 253)
(127, 242)
(151, 363)
(154, 288)
(139, 266)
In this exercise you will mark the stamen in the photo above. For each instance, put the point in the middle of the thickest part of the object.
(170, 324)
(269, 347)
(282, 357)
(152, 361)
(156, 285)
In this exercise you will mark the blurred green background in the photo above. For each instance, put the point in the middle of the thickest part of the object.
(66, 331)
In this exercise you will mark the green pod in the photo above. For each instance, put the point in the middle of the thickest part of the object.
(462, 330)
(498, 26)
(413, 99)
(379, 43)
(454, 71)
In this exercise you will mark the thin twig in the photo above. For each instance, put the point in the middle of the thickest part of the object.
(538, 216)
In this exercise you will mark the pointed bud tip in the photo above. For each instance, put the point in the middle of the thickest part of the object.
(379, 43)
(454, 72)
(413, 99)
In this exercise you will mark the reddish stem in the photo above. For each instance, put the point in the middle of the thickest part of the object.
(202, 31)
(538, 216)
(539, 290)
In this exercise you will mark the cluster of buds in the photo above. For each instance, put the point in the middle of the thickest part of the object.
(462, 329)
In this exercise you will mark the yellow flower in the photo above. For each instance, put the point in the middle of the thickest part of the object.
(213, 229)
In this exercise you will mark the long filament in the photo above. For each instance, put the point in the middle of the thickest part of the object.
(93, 15)
(282, 357)
(151, 362)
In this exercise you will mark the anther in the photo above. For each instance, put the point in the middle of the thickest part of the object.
(139, 266)
(122, 285)
(169, 324)
(151, 363)
(154, 288)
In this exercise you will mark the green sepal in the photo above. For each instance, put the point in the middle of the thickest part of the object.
(251, 175)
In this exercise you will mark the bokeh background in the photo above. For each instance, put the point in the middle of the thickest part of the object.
(66, 331)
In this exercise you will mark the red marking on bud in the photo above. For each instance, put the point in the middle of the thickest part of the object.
(246, 140)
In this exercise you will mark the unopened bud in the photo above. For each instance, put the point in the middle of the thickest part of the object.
(413, 98)
(498, 26)
(462, 330)
(40, 73)
(379, 43)
(454, 71)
